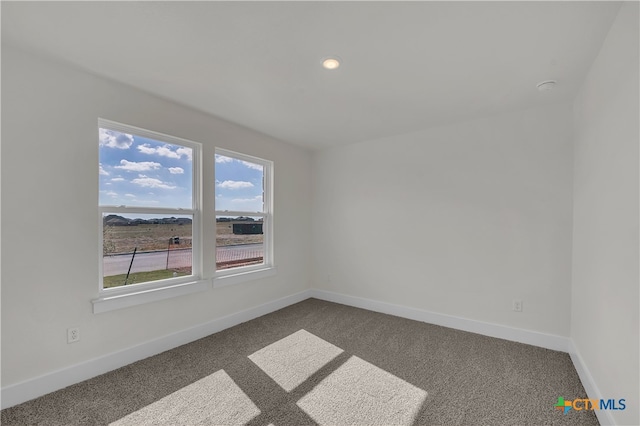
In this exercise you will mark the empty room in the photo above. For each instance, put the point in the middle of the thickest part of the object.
(320, 213)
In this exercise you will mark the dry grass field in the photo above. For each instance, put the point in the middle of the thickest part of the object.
(123, 239)
(226, 237)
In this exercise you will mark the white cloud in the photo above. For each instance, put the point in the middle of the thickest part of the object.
(253, 166)
(112, 194)
(142, 166)
(113, 139)
(235, 184)
(166, 151)
(247, 200)
(130, 195)
(187, 152)
(163, 151)
(176, 170)
(117, 179)
(148, 182)
(223, 159)
(103, 171)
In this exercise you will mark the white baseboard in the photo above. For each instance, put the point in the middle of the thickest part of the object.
(548, 341)
(604, 416)
(24, 391)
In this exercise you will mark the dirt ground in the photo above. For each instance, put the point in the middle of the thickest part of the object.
(123, 239)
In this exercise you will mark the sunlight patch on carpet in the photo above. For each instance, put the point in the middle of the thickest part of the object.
(361, 393)
(292, 360)
(215, 399)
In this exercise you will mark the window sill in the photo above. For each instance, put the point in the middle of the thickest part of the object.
(119, 301)
(243, 276)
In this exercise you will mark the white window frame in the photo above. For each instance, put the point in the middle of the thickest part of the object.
(267, 268)
(124, 296)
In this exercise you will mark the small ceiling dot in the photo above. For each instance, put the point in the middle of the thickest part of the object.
(331, 63)
(544, 86)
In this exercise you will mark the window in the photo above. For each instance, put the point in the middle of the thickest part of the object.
(243, 213)
(149, 209)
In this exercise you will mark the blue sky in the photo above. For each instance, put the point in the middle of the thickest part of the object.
(142, 172)
(238, 185)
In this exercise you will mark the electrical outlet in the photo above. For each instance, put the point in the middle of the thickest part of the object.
(73, 335)
(517, 305)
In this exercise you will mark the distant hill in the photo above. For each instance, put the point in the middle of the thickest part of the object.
(115, 220)
(237, 219)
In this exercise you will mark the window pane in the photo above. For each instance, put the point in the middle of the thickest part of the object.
(138, 171)
(162, 246)
(239, 241)
(239, 185)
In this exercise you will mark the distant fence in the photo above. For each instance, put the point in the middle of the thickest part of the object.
(178, 258)
(228, 254)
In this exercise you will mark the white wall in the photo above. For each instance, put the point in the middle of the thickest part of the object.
(457, 220)
(604, 326)
(49, 216)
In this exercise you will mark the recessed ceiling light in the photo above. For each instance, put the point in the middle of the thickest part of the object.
(544, 86)
(331, 63)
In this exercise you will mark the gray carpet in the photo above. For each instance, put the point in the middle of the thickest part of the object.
(323, 363)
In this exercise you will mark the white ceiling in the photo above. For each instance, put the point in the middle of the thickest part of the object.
(406, 65)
